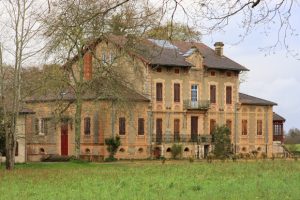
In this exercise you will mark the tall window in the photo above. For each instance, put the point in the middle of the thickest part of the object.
(228, 94)
(213, 90)
(244, 127)
(278, 128)
(159, 130)
(87, 125)
(103, 57)
(228, 125)
(159, 96)
(17, 149)
(259, 127)
(176, 130)
(122, 128)
(212, 125)
(45, 125)
(141, 122)
(194, 92)
(176, 92)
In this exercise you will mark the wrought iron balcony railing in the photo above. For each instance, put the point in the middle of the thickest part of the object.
(196, 105)
(181, 138)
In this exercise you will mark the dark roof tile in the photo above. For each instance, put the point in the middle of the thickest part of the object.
(251, 100)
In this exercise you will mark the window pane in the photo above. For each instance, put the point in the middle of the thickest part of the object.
(87, 126)
(122, 126)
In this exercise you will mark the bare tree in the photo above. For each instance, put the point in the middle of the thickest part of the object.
(73, 29)
(273, 17)
(22, 30)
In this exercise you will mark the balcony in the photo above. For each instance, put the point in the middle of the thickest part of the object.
(181, 138)
(196, 105)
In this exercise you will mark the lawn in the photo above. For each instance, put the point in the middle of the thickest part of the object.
(277, 179)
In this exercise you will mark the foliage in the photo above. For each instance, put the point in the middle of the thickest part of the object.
(221, 141)
(293, 136)
(113, 144)
(142, 180)
(174, 31)
(176, 151)
(2, 135)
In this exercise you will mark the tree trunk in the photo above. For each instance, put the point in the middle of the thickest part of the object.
(78, 125)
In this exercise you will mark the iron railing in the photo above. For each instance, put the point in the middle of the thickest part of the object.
(181, 138)
(196, 105)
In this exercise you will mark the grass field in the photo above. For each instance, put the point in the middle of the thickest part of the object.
(297, 146)
(277, 179)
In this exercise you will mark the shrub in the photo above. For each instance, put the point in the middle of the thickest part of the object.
(176, 150)
(113, 144)
(254, 153)
(222, 144)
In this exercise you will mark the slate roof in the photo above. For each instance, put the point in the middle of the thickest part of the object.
(211, 59)
(277, 117)
(173, 53)
(124, 93)
(251, 100)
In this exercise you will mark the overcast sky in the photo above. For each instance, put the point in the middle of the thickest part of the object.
(275, 76)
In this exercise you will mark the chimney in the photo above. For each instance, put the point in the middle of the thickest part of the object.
(219, 48)
(87, 65)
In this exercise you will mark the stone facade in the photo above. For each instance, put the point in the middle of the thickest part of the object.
(186, 117)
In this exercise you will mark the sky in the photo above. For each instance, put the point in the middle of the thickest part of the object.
(275, 76)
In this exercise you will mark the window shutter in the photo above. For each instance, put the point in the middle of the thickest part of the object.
(36, 126)
(228, 94)
(212, 94)
(87, 126)
(176, 92)
(159, 92)
(122, 129)
(244, 127)
(141, 126)
(259, 127)
(96, 127)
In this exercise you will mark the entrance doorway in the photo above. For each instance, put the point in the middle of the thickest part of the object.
(64, 138)
(206, 150)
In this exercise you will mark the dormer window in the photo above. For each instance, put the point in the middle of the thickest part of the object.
(213, 73)
(228, 74)
(158, 69)
(177, 71)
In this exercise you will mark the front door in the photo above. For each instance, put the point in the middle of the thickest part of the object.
(64, 138)
(194, 128)
(206, 150)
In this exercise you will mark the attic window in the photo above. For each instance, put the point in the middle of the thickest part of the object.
(158, 69)
(228, 74)
(213, 73)
(176, 71)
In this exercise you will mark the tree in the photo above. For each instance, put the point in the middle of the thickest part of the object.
(174, 31)
(73, 29)
(113, 144)
(221, 141)
(293, 136)
(176, 150)
(271, 17)
(21, 29)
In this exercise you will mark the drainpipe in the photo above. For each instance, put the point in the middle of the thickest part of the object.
(235, 127)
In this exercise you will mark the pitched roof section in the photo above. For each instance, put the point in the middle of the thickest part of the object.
(251, 100)
(174, 53)
(124, 93)
(211, 59)
(277, 117)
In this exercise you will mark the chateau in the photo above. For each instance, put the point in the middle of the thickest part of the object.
(180, 92)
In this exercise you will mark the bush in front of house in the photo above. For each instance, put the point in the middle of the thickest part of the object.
(113, 144)
(176, 151)
(221, 140)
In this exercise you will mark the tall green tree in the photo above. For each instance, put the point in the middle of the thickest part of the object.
(221, 142)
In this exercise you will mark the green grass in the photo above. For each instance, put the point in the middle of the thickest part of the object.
(297, 146)
(277, 179)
